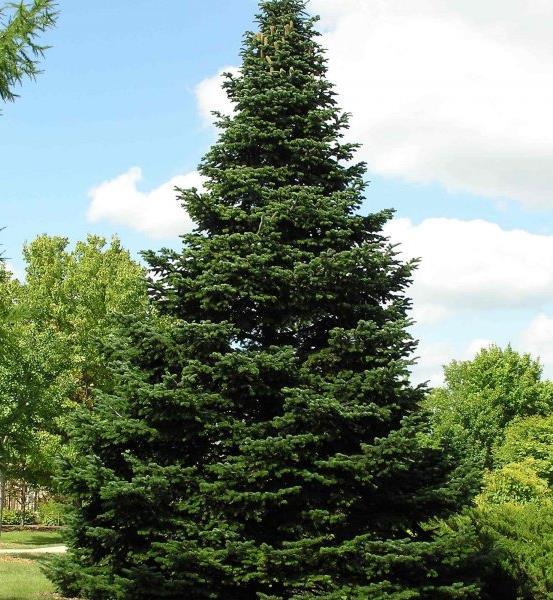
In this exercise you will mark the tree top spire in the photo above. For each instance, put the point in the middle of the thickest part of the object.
(283, 5)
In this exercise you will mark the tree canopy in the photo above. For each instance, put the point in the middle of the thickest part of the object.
(52, 324)
(494, 416)
(481, 397)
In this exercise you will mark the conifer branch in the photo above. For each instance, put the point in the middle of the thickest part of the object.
(20, 53)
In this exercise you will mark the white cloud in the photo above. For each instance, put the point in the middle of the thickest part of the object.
(537, 339)
(476, 345)
(474, 265)
(157, 213)
(435, 355)
(17, 273)
(457, 92)
(210, 96)
(432, 358)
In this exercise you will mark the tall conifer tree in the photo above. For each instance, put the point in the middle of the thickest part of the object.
(261, 438)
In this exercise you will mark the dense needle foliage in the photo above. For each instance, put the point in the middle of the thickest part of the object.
(260, 438)
(20, 25)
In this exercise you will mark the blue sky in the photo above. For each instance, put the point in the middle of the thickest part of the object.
(457, 135)
(117, 91)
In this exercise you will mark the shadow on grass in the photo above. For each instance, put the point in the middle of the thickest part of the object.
(30, 539)
(44, 539)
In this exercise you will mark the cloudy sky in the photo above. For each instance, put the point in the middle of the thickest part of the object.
(451, 101)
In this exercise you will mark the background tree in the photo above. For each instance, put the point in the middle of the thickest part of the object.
(22, 408)
(20, 53)
(494, 415)
(262, 439)
(68, 301)
(515, 507)
(479, 400)
(72, 297)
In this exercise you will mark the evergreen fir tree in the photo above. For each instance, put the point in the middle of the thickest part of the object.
(261, 438)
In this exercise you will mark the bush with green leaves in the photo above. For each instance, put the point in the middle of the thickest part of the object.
(17, 517)
(528, 438)
(516, 482)
(53, 512)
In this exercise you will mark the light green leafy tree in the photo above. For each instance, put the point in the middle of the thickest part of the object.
(57, 318)
(72, 297)
(525, 439)
(23, 406)
(515, 507)
(481, 397)
(494, 415)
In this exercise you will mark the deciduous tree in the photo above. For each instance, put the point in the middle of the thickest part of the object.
(51, 361)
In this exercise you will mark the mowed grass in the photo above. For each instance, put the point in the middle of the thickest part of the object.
(29, 539)
(22, 579)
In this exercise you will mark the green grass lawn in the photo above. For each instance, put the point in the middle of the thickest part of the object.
(29, 539)
(22, 579)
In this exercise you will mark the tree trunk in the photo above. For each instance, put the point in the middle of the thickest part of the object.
(2, 498)
(23, 502)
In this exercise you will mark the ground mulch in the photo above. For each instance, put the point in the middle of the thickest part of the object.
(14, 559)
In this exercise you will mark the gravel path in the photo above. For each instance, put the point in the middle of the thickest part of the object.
(38, 550)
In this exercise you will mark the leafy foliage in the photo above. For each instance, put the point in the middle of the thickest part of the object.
(16, 517)
(528, 438)
(514, 482)
(52, 513)
(52, 360)
(22, 406)
(515, 506)
(494, 417)
(72, 298)
(479, 401)
(498, 404)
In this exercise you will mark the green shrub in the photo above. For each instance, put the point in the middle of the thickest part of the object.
(522, 535)
(515, 482)
(52, 513)
(531, 437)
(13, 517)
